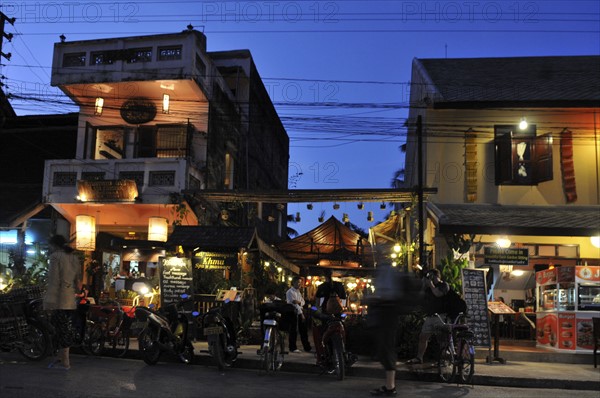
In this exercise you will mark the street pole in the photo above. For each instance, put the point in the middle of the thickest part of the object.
(420, 189)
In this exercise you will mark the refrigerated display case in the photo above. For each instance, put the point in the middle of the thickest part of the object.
(568, 299)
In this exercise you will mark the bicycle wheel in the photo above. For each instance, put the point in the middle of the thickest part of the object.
(278, 351)
(120, 343)
(338, 356)
(95, 339)
(37, 342)
(446, 368)
(466, 361)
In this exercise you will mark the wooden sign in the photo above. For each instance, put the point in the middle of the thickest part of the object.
(107, 190)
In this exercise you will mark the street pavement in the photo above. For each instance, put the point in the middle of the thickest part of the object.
(523, 373)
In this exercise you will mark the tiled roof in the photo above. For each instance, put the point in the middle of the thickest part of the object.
(211, 237)
(518, 79)
(517, 220)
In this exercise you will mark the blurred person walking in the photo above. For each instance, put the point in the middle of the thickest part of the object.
(64, 282)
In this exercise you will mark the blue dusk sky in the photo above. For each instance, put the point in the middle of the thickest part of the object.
(338, 72)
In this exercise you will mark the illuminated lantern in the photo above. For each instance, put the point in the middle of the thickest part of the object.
(158, 229)
(85, 232)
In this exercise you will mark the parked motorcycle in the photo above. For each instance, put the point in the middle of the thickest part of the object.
(166, 330)
(335, 359)
(221, 336)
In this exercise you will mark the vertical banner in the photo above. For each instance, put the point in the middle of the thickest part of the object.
(175, 278)
(475, 294)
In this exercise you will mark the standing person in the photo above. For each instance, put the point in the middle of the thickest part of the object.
(294, 297)
(64, 282)
(326, 290)
(435, 289)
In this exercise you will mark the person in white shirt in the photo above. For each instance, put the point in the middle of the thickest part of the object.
(294, 297)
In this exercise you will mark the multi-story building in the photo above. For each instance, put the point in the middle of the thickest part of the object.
(159, 115)
(536, 183)
(513, 147)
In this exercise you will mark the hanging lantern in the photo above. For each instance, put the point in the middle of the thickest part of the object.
(158, 228)
(345, 218)
(85, 232)
(370, 216)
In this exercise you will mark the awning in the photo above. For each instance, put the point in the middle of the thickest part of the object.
(516, 220)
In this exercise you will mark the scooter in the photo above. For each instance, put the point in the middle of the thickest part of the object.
(166, 330)
(221, 336)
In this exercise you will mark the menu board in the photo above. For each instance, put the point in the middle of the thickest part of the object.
(175, 278)
(474, 293)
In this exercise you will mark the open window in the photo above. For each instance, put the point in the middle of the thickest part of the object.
(109, 142)
(521, 157)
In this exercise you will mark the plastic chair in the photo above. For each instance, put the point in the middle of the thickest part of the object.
(596, 331)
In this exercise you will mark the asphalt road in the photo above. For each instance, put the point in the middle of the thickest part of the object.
(94, 377)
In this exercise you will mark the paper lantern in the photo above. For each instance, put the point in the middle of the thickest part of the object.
(158, 228)
(85, 232)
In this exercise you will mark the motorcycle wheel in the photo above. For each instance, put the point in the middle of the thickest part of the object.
(37, 343)
(187, 355)
(95, 339)
(148, 346)
(215, 346)
(120, 343)
(338, 357)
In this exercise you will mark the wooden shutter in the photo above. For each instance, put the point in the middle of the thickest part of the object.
(542, 157)
(503, 156)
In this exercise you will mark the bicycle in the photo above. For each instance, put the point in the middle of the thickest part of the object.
(112, 327)
(275, 320)
(457, 353)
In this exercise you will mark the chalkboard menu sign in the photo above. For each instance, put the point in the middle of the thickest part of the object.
(474, 293)
(175, 278)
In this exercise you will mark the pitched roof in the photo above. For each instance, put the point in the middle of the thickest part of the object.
(573, 80)
(517, 220)
(331, 244)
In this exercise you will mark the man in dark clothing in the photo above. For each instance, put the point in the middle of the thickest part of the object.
(435, 289)
(328, 289)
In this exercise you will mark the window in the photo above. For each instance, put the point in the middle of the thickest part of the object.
(110, 143)
(163, 141)
(521, 157)
(139, 55)
(102, 58)
(169, 53)
(73, 59)
(64, 179)
(161, 178)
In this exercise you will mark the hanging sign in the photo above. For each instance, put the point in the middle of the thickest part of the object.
(212, 260)
(107, 190)
(497, 255)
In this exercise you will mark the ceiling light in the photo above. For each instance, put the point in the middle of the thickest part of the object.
(503, 242)
(523, 123)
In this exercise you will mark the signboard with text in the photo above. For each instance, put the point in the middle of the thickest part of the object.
(497, 255)
(474, 293)
(175, 278)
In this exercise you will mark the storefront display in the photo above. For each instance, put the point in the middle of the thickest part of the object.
(568, 299)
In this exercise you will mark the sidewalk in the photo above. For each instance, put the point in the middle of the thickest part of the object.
(527, 374)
